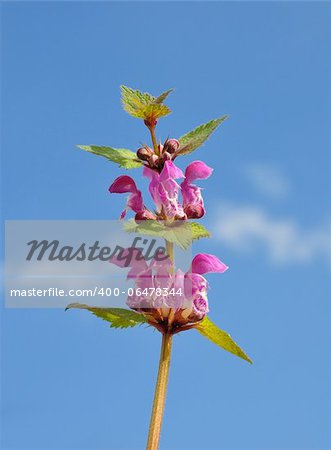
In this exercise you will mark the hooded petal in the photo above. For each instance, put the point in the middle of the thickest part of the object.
(192, 199)
(204, 263)
(197, 170)
(123, 184)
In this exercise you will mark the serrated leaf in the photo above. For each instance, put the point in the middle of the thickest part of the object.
(198, 231)
(117, 317)
(221, 338)
(163, 96)
(123, 157)
(179, 232)
(198, 136)
(144, 105)
(154, 111)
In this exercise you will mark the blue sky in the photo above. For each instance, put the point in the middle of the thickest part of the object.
(68, 382)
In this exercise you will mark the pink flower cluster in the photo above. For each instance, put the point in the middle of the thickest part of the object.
(173, 201)
(189, 290)
(165, 190)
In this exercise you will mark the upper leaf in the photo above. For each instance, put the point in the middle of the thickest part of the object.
(163, 96)
(221, 338)
(123, 157)
(144, 105)
(180, 233)
(117, 317)
(198, 231)
(198, 136)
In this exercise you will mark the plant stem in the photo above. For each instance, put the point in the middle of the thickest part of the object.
(170, 250)
(152, 131)
(170, 253)
(162, 377)
(160, 393)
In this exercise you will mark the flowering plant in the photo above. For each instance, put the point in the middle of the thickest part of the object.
(164, 297)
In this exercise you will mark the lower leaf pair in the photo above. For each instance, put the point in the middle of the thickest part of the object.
(124, 318)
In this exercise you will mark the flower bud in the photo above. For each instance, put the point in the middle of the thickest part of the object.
(150, 122)
(194, 211)
(153, 160)
(144, 153)
(160, 147)
(171, 145)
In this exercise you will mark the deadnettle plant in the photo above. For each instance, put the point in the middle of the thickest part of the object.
(164, 297)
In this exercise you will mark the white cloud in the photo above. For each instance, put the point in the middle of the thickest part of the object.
(267, 179)
(250, 228)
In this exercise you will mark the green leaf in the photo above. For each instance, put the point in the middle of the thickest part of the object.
(118, 317)
(151, 227)
(179, 232)
(123, 157)
(219, 337)
(198, 231)
(154, 111)
(198, 136)
(144, 105)
(163, 96)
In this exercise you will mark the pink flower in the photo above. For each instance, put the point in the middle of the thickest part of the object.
(124, 184)
(196, 286)
(157, 287)
(192, 199)
(164, 189)
(205, 263)
(147, 277)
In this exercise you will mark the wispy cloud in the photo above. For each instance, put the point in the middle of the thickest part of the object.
(267, 179)
(250, 228)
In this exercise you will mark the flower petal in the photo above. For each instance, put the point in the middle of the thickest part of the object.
(170, 171)
(192, 199)
(164, 189)
(194, 285)
(197, 170)
(129, 257)
(135, 202)
(153, 185)
(200, 307)
(204, 263)
(149, 173)
(168, 194)
(123, 184)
